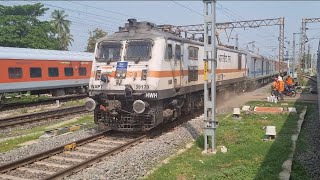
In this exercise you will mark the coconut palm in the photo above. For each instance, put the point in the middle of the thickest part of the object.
(66, 40)
(62, 26)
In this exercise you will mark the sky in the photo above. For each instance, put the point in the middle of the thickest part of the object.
(109, 15)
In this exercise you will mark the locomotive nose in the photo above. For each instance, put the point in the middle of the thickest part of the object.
(90, 104)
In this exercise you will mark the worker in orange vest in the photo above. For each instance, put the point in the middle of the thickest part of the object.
(289, 81)
(281, 87)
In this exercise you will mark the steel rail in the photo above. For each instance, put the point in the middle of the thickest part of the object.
(86, 163)
(30, 159)
(28, 118)
(8, 106)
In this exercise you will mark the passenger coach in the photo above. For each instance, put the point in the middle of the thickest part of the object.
(44, 71)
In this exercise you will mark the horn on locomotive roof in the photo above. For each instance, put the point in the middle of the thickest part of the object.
(132, 22)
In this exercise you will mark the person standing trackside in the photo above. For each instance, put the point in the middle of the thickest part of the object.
(275, 86)
(281, 87)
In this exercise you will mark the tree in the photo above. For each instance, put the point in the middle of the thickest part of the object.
(20, 27)
(93, 37)
(62, 25)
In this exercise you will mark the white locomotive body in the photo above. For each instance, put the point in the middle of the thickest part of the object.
(142, 76)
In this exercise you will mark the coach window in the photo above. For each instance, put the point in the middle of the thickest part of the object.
(193, 53)
(82, 71)
(15, 73)
(178, 52)
(53, 72)
(35, 72)
(68, 71)
(169, 52)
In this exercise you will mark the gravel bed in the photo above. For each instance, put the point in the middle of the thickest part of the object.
(310, 157)
(43, 167)
(15, 131)
(59, 161)
(43, 145)
(135, 162)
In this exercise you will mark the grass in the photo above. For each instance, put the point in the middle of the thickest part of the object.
(13, 143)
(73, 103)
(298, 170)
(25, 99)
(248, 157)
(35, 133)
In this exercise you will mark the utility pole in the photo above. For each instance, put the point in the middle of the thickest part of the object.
(237, 41)
(210, 122)
(294, 63)
(307, 62)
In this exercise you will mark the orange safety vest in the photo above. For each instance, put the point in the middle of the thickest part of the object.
(281, 86)
(275, 85)
(289, 81)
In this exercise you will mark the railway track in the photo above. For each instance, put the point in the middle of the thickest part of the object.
(40, 116)
(8, 106)
(69, 158)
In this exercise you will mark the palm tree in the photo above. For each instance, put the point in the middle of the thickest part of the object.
(66, 40)
(62, 26)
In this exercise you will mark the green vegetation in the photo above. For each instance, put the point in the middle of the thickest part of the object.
(93, 37)
(248, 157)
(35, 133)
(62, 25)
(24, 99)
(74, 103)
(13, 143)
(298, 170)
(20, 27)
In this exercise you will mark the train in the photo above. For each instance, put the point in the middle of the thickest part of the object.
(143, 76)
(44, 71)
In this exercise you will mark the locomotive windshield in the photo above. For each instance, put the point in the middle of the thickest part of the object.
(109, 51)
(137, 50)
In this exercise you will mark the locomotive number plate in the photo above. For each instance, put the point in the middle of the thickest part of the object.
(141, 87)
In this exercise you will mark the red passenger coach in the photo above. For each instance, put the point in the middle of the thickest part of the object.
(44, 71)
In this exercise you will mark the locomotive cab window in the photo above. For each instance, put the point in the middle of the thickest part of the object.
(178, 52)
(53, 72)
(15, 73)
(193, 53)
(82, 71)
(169, 52)
(35, 72)
(138, 50)
(68, 71)
(108, 51)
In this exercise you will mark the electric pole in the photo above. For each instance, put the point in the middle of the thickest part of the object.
(210, 122)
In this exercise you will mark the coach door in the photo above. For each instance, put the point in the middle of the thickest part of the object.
(178, 69)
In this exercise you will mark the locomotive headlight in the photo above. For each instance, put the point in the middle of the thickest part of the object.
(123, 75)
(139, 106)
(118, 75)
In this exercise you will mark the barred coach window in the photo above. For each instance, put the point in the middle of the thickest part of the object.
(35, 72)
(15, 73)
(53, 72)
(82, 71)
(68, 71)
(193, 53)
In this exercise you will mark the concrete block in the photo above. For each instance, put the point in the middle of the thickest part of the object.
(284, 104)
(246, 108)
(271, 131)
(292, 110)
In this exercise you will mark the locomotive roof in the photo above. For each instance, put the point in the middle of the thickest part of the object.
(147, 30)
(41, 54)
